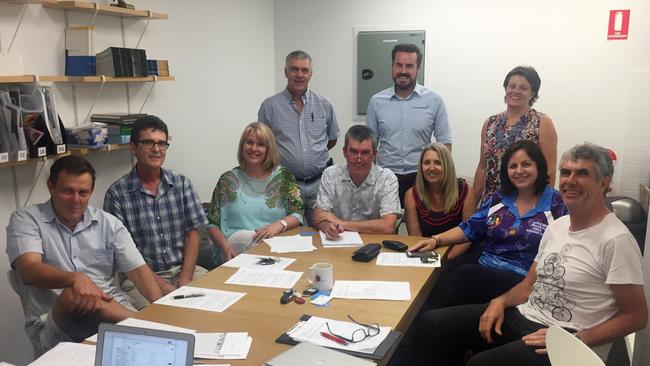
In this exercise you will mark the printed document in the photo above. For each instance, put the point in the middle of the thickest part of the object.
(346, 239)
(133, 322)
(310, 331)
(231, 345)
(68, 354)
(253, 261)
(263, 278)
(401, 260)
(371, 290)
(211, 300)
(294, 243)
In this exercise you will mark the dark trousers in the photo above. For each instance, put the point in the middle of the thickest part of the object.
(405, 182)
(444, 335)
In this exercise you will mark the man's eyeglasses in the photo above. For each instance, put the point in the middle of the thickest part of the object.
(149, 144)
(367, 331)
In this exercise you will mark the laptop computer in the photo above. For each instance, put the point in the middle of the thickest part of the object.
(307, 354)
(119, 345)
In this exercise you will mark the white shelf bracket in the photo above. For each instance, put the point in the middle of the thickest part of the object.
(99, 91)
(144, 29)
(92, 20)
(13, 38)
(38, 175)
(153, 85)
(15, 182)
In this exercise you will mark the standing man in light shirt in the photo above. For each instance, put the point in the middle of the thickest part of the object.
(304, 126)
(405, 116)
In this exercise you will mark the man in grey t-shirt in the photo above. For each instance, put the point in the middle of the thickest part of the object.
(64, 257)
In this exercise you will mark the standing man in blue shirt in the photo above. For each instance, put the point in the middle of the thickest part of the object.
(304, 126)
(160, 209)
(405, 116)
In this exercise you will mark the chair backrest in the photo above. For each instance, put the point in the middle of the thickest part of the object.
(630, 212)
(566, 350)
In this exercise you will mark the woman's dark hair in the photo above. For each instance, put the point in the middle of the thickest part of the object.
(531, 75)
(535, 153)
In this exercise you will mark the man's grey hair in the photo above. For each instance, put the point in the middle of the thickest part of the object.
(297, 55)
(602, 162)
(360, 133)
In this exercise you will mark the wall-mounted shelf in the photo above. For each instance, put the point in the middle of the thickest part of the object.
(79, 79)
(10, 164)
(103, 9)
(76, 150)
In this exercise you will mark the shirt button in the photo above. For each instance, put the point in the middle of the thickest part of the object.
(161, 234)
(158, 217)
(165, 251)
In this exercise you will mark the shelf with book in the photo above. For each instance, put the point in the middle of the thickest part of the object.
(80, 79)
(104, 9)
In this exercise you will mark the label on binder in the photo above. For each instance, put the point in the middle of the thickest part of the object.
(60, 149)
(42, 151)
(22, 155)
(4, 157)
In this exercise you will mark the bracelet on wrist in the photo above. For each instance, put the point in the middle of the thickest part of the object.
(284, 224)
(437, 239)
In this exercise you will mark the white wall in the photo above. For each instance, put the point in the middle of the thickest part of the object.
(222, 54)
(471, 45)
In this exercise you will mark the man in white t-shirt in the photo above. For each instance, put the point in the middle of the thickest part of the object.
(587, 278)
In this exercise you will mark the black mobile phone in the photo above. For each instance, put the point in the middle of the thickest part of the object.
(425, 254)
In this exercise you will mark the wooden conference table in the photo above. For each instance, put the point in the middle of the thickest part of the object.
(260, 313)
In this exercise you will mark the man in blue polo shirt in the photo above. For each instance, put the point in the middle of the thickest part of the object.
(405, 116)
(304, 126)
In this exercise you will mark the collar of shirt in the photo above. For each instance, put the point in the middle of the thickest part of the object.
(134, 182)
(371, 179)
(289, 97)
(49, 216)
(417, 90)
(543, 203)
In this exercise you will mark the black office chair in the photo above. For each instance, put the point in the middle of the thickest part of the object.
(630, 212)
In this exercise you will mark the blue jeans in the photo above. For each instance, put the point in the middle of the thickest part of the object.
(308, 193)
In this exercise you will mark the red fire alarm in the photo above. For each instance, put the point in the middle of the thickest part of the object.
(619, 24)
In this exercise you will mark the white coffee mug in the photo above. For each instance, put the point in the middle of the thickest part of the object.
(321, 276)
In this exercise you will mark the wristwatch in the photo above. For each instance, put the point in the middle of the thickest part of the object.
(284, 224)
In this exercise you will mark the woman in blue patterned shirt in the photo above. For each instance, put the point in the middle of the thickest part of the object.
(505, 232)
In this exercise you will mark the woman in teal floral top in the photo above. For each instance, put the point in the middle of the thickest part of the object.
(256, 200)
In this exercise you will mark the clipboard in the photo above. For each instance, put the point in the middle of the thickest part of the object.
(391, 339)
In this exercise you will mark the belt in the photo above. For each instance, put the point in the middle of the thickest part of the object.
(311, 179)
(405, 176)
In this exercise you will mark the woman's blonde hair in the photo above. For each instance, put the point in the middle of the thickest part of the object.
(264, 133)
(449, 184)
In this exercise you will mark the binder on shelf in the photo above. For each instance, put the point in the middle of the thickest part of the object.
(391, 339)
(122, 62)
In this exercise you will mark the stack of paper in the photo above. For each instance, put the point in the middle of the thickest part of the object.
(253, 261)
(209, 300)
(372, 290)
(286, 244)
(401, 260)
(234, 345)
(68, 354)
(346, 239)
(310, 331)
(133, 322)
(264, 278)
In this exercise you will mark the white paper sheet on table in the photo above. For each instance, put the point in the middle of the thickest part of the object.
(231, 345)
(133, 322)
(309, 331)
(68, 354)
(251, 261)
(401, 260)
(294, 243)
(213, 300)
(263, 278)
(346, 239)
(371, 290)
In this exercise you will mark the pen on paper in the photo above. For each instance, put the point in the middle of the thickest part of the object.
(178, 297)
(336, 339)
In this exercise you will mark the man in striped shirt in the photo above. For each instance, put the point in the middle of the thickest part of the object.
(304, 126)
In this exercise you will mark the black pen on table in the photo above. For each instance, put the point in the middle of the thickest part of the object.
(178, 297)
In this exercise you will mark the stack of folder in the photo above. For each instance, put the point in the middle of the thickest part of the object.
(119, 125)
(158, 67)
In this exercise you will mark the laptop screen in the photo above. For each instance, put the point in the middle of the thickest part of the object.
(128, 349)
